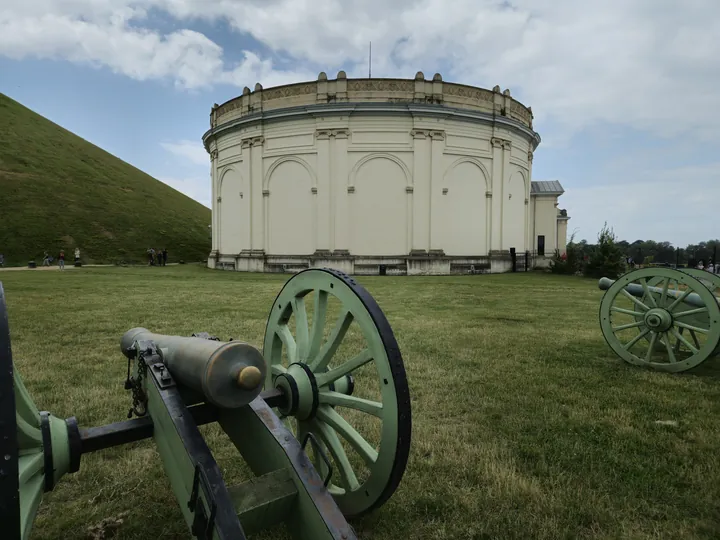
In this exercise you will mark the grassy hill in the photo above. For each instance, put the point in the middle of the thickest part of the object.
(58, 191)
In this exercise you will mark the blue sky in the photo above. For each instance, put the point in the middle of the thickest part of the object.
(624, 93)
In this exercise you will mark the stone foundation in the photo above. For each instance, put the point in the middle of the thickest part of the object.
(417, 263)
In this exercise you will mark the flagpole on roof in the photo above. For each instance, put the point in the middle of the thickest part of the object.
(370, 62)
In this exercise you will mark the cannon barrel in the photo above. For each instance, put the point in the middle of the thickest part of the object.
(637, 291)
(228, 374)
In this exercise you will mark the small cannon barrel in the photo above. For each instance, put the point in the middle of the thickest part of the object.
(229, 374)
(638, 291)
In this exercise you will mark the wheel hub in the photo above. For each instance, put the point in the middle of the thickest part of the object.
(659, 320)
(300, 389)
(299, 386)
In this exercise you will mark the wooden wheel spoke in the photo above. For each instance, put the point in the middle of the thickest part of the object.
(671, 354)
(335, 447)
(626, 326)
(288, 340)
(29, 465)
(331, 346)
(651, 348)
(627, 311)
(648, 294)
(636, 300)
(277, 369)
(679, 299)
(301, 328)
(691, 328)
(637, 338)
(352, 402)
(695, 339)
(351, 365)
(318, 325)
(690, 312)
(349, 433)
(27, 436)
(681, 339)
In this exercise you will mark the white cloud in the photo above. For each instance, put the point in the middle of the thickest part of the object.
(650, 64)
(193, 187)
(190, 150)
(658, 205)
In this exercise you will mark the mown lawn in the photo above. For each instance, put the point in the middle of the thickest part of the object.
(525, 424)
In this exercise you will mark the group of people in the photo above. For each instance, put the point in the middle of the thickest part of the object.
(47, 259)
(712, 268)
(159, 256)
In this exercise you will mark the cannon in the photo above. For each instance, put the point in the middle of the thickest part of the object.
(296, 413)
(662, 318)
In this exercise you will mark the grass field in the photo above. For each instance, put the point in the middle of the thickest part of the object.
(58, 191)
(525, 424)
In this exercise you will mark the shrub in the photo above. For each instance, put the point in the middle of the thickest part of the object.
(607, 258)
(569, 262)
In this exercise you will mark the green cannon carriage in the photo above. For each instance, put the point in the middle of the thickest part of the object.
(321, 416)
(663, 318)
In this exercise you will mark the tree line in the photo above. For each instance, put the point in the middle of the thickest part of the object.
(611, 257)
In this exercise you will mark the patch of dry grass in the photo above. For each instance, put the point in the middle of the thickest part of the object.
(525, 424)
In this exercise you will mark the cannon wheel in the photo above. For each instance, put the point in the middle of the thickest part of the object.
(31, 443)
(674, 328)
(321, 375)
(711, 281)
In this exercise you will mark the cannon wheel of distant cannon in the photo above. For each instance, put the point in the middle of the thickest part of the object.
(328, 383)
(677, 313)
(711, 281)
(31, 444)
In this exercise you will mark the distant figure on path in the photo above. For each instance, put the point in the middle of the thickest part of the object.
(61, 260)
(77, 254)
(46, 259)
(164, 256)
(2, 260)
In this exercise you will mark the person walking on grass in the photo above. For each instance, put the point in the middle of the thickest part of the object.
(164, 256)
(2, 260)
(61, 260)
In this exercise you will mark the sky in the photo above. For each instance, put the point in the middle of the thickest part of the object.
(624, 92)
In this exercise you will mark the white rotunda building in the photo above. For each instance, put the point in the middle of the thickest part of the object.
(375, 176)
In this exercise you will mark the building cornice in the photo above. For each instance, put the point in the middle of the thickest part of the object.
(380, 109)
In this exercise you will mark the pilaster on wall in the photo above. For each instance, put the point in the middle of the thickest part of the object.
(422, 193)
(254, 170)
(498, 184)
(214, 180)
(339, 230)
(529, 240)
(324, 190)
(436, 177)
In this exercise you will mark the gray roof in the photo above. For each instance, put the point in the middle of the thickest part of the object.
(546, 187)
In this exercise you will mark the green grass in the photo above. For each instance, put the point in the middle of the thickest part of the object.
(525, 424)
(58, 191)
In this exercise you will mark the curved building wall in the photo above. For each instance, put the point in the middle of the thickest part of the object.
(420, 185)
